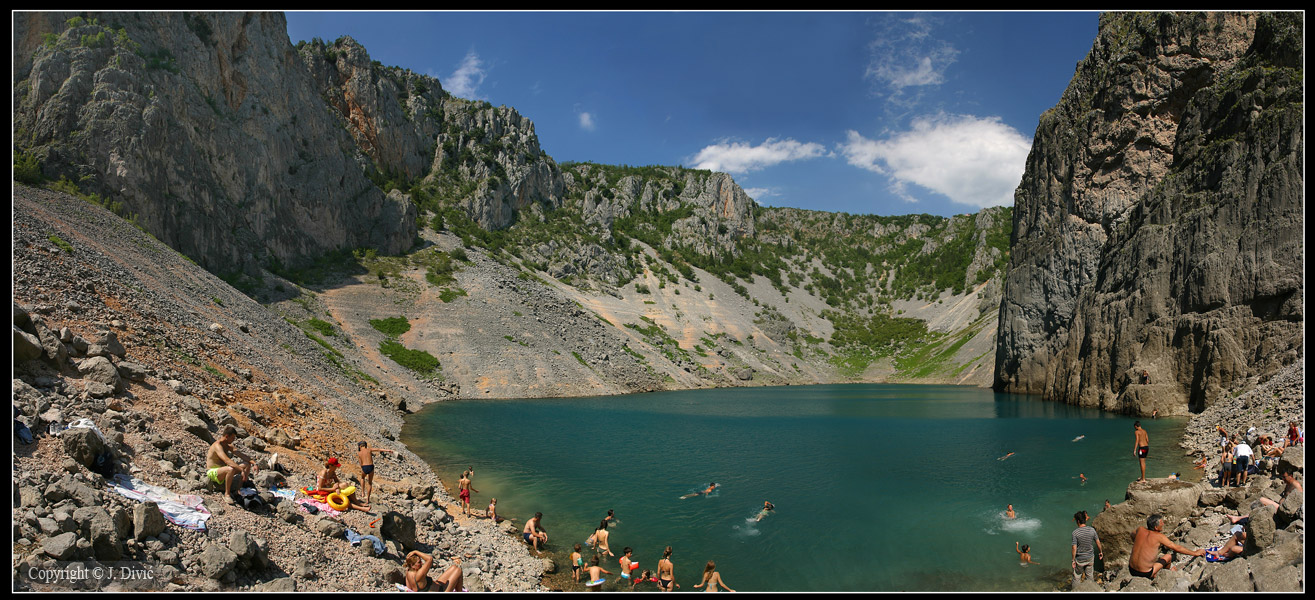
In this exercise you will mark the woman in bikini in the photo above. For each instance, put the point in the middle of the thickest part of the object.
(666, 572)
(712, 579)
(599, 539)
(417, 574)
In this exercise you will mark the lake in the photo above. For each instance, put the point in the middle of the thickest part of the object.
(876, 487)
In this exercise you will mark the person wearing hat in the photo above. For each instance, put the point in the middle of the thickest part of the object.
(327, 481)
(365, 454)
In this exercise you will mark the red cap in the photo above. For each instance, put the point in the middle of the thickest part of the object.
(332, 462)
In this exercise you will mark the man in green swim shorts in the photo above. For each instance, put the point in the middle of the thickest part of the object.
(220, 468)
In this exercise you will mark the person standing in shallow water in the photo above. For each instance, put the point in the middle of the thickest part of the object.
(1141, 446)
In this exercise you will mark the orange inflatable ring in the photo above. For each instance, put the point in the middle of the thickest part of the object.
(337, 500)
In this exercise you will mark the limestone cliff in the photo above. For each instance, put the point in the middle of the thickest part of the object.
(206, 127)
(1158, 224)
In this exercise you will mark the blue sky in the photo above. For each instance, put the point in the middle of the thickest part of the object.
(872, 112)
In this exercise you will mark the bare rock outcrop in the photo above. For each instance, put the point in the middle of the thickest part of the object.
(1158, 225)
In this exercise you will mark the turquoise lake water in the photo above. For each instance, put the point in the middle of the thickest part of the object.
(876, 487)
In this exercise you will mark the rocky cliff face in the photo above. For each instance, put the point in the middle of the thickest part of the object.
(1158, 224)
(207, 127)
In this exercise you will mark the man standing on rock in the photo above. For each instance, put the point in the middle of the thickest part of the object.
(1141, 445)
(1086, 545)
(220, 467)
(466, 488)
(1144, 561)
(365, 455)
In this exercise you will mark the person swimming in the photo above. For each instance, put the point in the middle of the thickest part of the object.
(1079, 438)
(1005, 456)
(711, 486)
(1009, 512)
(767, 508)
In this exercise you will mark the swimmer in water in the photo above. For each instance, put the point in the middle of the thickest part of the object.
(1023, 555)
(767, 508)
(1005, 456)
(1083, 477)
(1009, 512)
(1079, 438)
(711, 486)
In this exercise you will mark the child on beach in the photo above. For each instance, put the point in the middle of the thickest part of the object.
(1024, 555)
(577, 562)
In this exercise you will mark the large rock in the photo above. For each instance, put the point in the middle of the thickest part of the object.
(84, 445)
(1232, 576)
(216, 561)
(100, 370)
(398, 527)
(1171, 499)
(196, 426)
(1260, 529)
(329, 528)
(61, 547)
(147, 520)
(288, 193)
(1158, 224)
(26, 346)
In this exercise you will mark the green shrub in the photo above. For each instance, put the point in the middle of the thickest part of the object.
(63, 245)
(451, 294)
(392, 326)
(324, 327)
(416, 360)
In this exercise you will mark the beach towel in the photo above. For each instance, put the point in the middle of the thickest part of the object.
(184, 510)
(322, 507)
(356, 539)
(285, 494)
(1211, 558)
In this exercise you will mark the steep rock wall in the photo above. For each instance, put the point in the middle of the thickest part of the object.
(1158, 225)
(205, 126)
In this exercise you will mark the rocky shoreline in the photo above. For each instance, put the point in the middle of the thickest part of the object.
(112, 326)
(1196, 509)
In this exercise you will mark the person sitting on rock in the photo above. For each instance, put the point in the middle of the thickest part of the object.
(417, 574)
(220, 467)
(327, 481)
(1146, 559)
(1231, 548)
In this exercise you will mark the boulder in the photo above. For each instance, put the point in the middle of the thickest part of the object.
(102, 530)
(1232, 576)
(1172, 499)
(178, 387)
(278, 437)
(83, 445)
(100, 370)
(1285, 578)
(399, 527)
(147, 520)
(244, 547)
(1294, 459)
(1291, 508)
(132, 371)
(216, 561)
(330, 528)
(55, 350)
(61, 547)
(1260, 529)
(26, 346)
(194, 425)
(110, 342)
(282, 584)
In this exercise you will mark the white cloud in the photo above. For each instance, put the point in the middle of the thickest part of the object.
(465, 81)
(971, 160)
(904, 54)
(759, 193)
(587, 121)
(739, 157)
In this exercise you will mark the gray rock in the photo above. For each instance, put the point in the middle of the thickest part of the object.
(216, 561)
(132, 371)
(1260, 529)
(329, 528)
(100, 370)
(304, 568)
(26, 346)
(243, 546)
(1285, 578)
(1232, 576)
(61, 547)
(282, 584)
(194, 425)
(83, 445)
(147, 520)
(178, 387)
(397, 526)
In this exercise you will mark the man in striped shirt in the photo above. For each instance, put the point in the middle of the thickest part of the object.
(1086, 544)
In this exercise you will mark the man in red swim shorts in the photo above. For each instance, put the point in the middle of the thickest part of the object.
(465, 490)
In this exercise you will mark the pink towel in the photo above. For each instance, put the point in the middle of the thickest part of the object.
(324, 508)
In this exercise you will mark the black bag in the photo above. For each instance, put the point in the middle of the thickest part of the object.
(104, 465)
